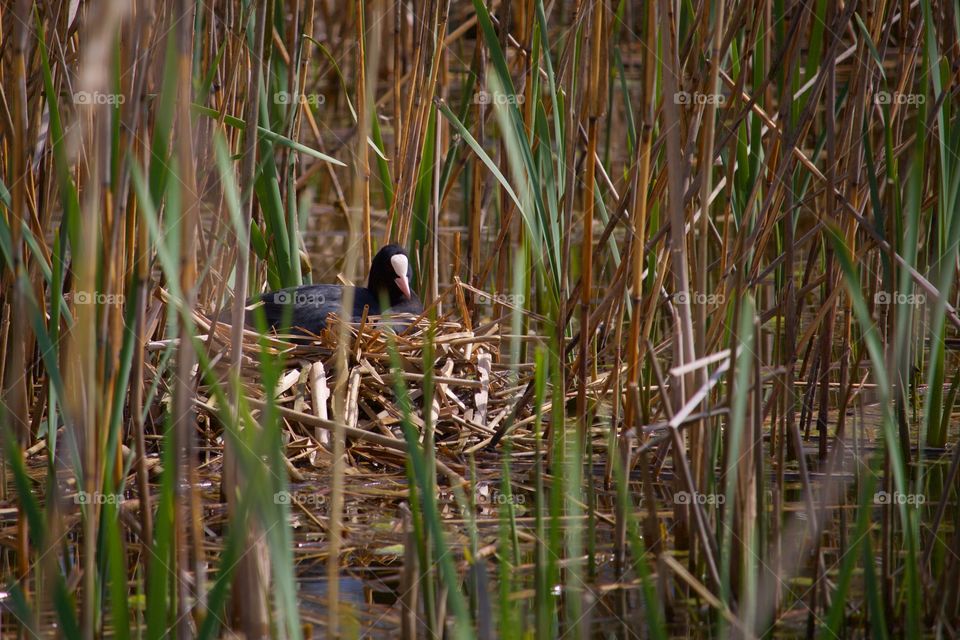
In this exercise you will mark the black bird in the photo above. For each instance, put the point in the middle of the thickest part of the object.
(303, 310)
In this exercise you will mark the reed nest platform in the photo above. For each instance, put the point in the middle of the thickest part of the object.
(476, 401)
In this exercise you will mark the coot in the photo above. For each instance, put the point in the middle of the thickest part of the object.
(303, 310)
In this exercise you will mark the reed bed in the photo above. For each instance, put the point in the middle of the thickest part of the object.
(689, 360)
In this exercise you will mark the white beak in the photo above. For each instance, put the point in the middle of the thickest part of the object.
(404, 286)
(400, 267)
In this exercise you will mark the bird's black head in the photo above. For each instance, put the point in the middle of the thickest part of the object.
(390, 275)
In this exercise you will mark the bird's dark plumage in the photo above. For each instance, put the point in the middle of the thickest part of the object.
(304, 309)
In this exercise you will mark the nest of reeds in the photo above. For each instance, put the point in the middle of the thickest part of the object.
(474, 400)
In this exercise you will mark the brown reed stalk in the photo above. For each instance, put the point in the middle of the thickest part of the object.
(595, 106)
(14, 399)
(249, 606)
